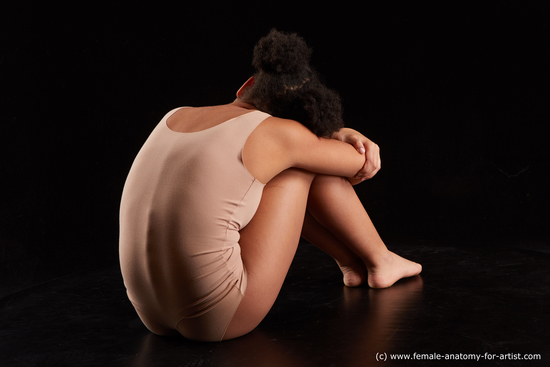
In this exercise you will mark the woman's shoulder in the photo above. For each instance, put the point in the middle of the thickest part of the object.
(194, 119)
(286, 131)
(286, 125)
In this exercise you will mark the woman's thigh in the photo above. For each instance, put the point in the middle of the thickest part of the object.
(268, 245)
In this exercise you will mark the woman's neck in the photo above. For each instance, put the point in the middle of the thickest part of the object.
(242, 104)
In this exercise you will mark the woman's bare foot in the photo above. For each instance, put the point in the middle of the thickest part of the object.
(389, 269)
(354, 274)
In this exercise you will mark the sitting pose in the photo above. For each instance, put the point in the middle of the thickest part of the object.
(217, 198)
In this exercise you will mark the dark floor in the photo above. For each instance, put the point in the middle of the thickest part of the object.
(471, 302)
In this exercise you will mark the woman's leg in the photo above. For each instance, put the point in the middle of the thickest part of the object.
(334, 204)
(351, 265)
(339, 223)
(268, 245)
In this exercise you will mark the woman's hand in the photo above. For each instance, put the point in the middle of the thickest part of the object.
(364, 146)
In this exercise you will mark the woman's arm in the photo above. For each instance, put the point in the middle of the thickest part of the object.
(364, 145)
(303, 149)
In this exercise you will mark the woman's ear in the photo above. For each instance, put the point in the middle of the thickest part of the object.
(249, 83)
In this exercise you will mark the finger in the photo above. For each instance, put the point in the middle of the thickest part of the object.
(360, 147)
(378, 160)
(366, 172)
(369, 170)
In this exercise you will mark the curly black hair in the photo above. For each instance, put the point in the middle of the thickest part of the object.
(287, 86)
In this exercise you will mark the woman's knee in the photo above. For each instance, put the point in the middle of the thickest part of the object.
(331, 180)
(325, 184)
(292, 177)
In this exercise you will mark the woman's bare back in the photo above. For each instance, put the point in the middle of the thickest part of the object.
(193, 119)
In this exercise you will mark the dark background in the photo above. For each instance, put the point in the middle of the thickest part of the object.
(456, 96)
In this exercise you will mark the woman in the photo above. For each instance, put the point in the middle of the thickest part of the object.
(218, 197)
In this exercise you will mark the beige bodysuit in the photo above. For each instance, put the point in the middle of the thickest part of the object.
(185, 200)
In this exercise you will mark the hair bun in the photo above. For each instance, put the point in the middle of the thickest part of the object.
(282, 53)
